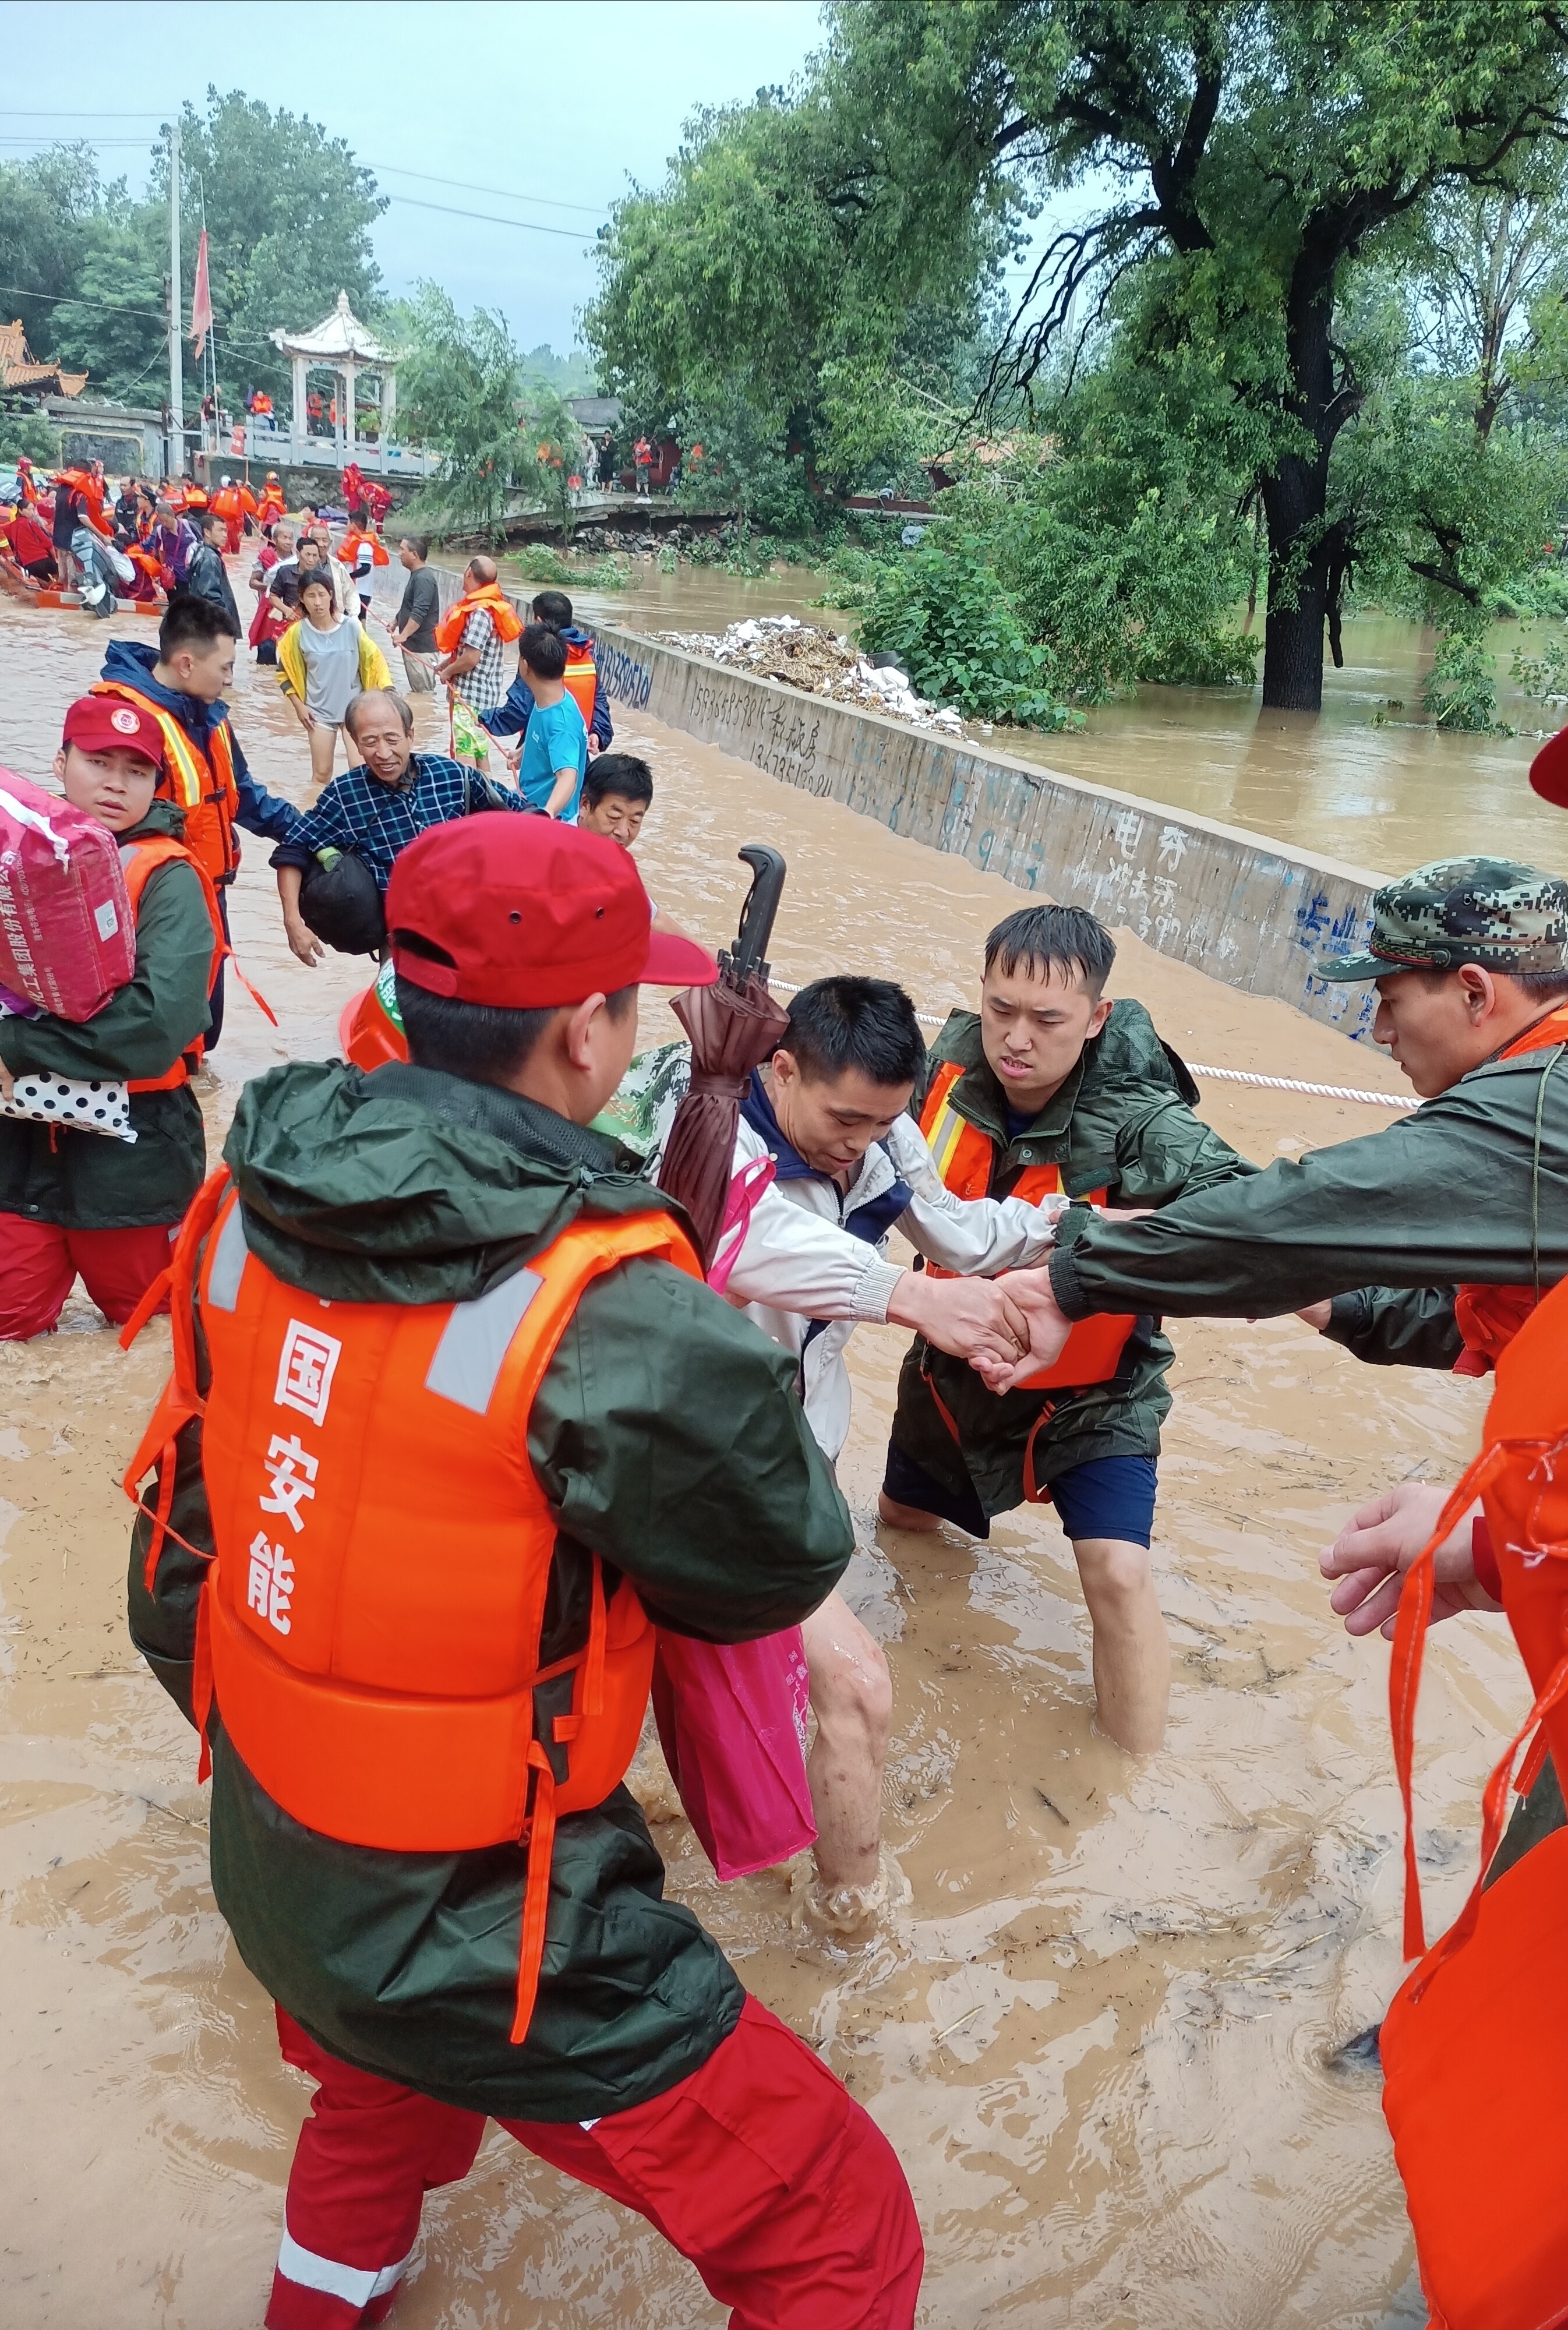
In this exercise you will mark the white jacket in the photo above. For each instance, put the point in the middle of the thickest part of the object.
(806, 1280)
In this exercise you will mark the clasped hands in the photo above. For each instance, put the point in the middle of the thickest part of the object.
(1006, 1328)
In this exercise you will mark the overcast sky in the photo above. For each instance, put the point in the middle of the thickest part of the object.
(544, 110)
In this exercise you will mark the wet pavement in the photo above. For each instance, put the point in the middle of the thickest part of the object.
(1096, 2027)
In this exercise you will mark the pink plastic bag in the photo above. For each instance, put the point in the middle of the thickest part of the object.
(731, 1721)
(67, 938)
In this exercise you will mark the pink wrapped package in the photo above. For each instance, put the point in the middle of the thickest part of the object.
(67, 939)
(732, 1722)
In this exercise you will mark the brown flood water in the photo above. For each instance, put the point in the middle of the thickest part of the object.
(1097, 2026)
(1368, 780)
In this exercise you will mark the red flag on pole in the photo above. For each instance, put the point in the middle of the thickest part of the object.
(200, 298)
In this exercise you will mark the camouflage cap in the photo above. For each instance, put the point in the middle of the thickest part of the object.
(1483, 910)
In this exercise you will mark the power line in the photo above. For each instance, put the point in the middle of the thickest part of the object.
(505, 194)
(526, 226)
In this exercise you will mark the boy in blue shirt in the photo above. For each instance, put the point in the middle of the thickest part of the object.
(555, 743)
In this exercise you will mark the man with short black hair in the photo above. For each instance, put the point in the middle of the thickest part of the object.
(1055, 1093)
(616, 795)
(413, 630)
(181, 684)
(581, 674)
(205, 572)
(513, 1432)
(807, 1265)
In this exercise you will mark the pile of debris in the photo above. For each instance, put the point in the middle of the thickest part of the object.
(820, 662)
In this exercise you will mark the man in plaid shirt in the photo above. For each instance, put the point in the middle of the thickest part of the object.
(376, 808)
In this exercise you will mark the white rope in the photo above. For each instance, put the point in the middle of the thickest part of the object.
(1224, 1076)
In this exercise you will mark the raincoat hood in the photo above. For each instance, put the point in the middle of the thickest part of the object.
(411, 1186)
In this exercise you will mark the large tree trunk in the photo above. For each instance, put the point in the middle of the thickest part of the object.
(1296, 501)
(1296, 498)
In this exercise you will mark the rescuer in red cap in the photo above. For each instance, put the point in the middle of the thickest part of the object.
(73, 1200)
(469, 1426)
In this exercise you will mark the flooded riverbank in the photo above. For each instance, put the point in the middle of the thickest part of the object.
(1097, 2024)
(1368, 780)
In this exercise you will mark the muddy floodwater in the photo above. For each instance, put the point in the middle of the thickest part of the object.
(1096, 2025)
(1369, 781)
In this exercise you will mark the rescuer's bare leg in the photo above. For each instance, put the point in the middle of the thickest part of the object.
(1131, 1646)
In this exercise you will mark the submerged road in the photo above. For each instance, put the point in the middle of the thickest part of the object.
(1096, 2024)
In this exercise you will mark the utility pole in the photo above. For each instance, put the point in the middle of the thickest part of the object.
(176, 376)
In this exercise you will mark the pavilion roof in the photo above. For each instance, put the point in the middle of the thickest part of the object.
(19, 368)
(337, 335)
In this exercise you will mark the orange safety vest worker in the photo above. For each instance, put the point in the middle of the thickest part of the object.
(226, 502)
(380, 554)
(495, 605)
(963, 1155)
(372, 1640)
(1490, 1317)
(138, 861)
(1475, 2045)
(581, 677)
(90, 488)
(272, 505)
(205, 788)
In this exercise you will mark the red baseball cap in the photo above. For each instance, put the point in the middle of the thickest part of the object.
(108, 723)
(528, 913)
(1549, 770)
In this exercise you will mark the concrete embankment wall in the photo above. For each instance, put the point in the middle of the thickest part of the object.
(1232, 903)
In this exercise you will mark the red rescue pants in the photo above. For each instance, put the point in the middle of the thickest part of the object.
(39, 1263)
(761, 2168)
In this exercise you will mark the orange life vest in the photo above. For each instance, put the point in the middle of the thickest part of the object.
(581, 677)
(380, 554)
(370, 1622)
(1490, 1317)
(964, 1159)
(226, 502)
(91, 489)
(1475, 2045)
(494, 601)
(204, 786)
(139, 860)
(196, 498)
(272, 505)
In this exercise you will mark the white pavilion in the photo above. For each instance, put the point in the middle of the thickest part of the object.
(339, 344)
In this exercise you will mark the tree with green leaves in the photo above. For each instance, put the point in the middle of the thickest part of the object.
(1257, 150)
(288, 212)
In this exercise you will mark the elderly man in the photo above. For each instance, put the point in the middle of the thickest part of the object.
(376, 808)
(473, 637)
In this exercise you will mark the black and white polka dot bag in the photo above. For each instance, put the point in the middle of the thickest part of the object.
(70, 1101)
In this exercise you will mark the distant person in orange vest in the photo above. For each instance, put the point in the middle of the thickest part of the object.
(471, 1426)
(271, 506)
(642, 461)
(181, 683)
(226, 503)
(74, 1201)
(473, 637)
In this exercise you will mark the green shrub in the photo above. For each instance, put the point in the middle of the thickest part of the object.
(943, 612)
(541, 563)
(1462, 688)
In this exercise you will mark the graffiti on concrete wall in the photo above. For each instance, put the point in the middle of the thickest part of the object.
(622, 677)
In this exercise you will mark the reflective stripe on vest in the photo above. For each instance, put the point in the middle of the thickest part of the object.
(581, 677)
(1490, 1317)
(139, 861)
(206, 790)
(965, 1158)
(384, 1554)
